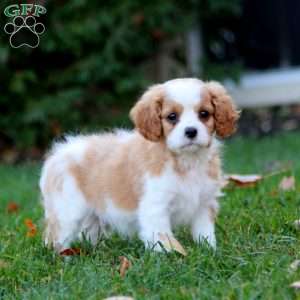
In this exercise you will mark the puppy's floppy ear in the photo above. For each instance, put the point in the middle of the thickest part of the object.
(226, 114)
(146, 114)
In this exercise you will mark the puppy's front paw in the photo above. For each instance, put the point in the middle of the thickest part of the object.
(203, 230)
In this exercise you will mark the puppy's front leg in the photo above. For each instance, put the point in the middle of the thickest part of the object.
(203, 225)
(154, 218)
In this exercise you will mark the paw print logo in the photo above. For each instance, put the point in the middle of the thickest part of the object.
(24, 32)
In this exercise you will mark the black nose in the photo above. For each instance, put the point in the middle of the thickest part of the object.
(190, 132)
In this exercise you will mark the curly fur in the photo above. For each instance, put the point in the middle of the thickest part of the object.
(146, 114)
(226, 114)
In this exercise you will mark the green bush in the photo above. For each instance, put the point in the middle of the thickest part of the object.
(88, 68)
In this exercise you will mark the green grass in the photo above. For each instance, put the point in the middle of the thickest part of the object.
(256, 242)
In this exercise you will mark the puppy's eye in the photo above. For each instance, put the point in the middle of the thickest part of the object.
(172, 118)
(203, 114)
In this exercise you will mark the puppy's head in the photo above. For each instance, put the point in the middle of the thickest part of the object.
(185, 113)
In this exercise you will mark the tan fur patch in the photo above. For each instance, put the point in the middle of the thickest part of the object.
(146, 114)
(114, 169)
(214, 167)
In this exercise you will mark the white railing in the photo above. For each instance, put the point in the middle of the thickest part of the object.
(258, 89)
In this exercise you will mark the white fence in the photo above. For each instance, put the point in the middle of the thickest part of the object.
(278, 87)
(256, 89)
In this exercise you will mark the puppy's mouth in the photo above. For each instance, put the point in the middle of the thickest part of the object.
(192, 146)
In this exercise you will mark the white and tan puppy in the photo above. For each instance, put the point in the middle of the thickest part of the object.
(146, 181)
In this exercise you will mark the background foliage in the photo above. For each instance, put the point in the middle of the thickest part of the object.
(88, 68)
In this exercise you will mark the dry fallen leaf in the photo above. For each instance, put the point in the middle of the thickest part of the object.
(125, 264)
(12, 207)
(287, 183)
(297, 224)
(119, 298)
(295, 285)
(244, 180)
(170, 243)
(295, 265)
(29, 223)
(31, 232)
(70, 252)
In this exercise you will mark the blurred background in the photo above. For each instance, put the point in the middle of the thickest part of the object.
(96, 57)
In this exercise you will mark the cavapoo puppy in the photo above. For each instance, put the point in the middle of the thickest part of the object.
(165, 172)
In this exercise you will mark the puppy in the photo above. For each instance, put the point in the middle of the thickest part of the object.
(164, 173)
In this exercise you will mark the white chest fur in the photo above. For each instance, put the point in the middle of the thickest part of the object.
(181, 196)
(192, 192)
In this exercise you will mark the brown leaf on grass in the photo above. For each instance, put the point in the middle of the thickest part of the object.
(29, 224)
(170, 243)
(287, 183)
(31, 228)
(119, 298)
(31, 233)
(244, 180)
(12, 207)
(295, 285)
(70, 252)
(125, 264)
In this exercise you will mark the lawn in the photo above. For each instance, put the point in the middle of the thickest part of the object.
(257, 242)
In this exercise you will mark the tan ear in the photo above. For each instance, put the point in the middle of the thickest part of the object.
(226, 114)
(146, 114)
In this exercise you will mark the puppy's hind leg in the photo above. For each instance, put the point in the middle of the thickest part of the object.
(91, 229)
(65, 210)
